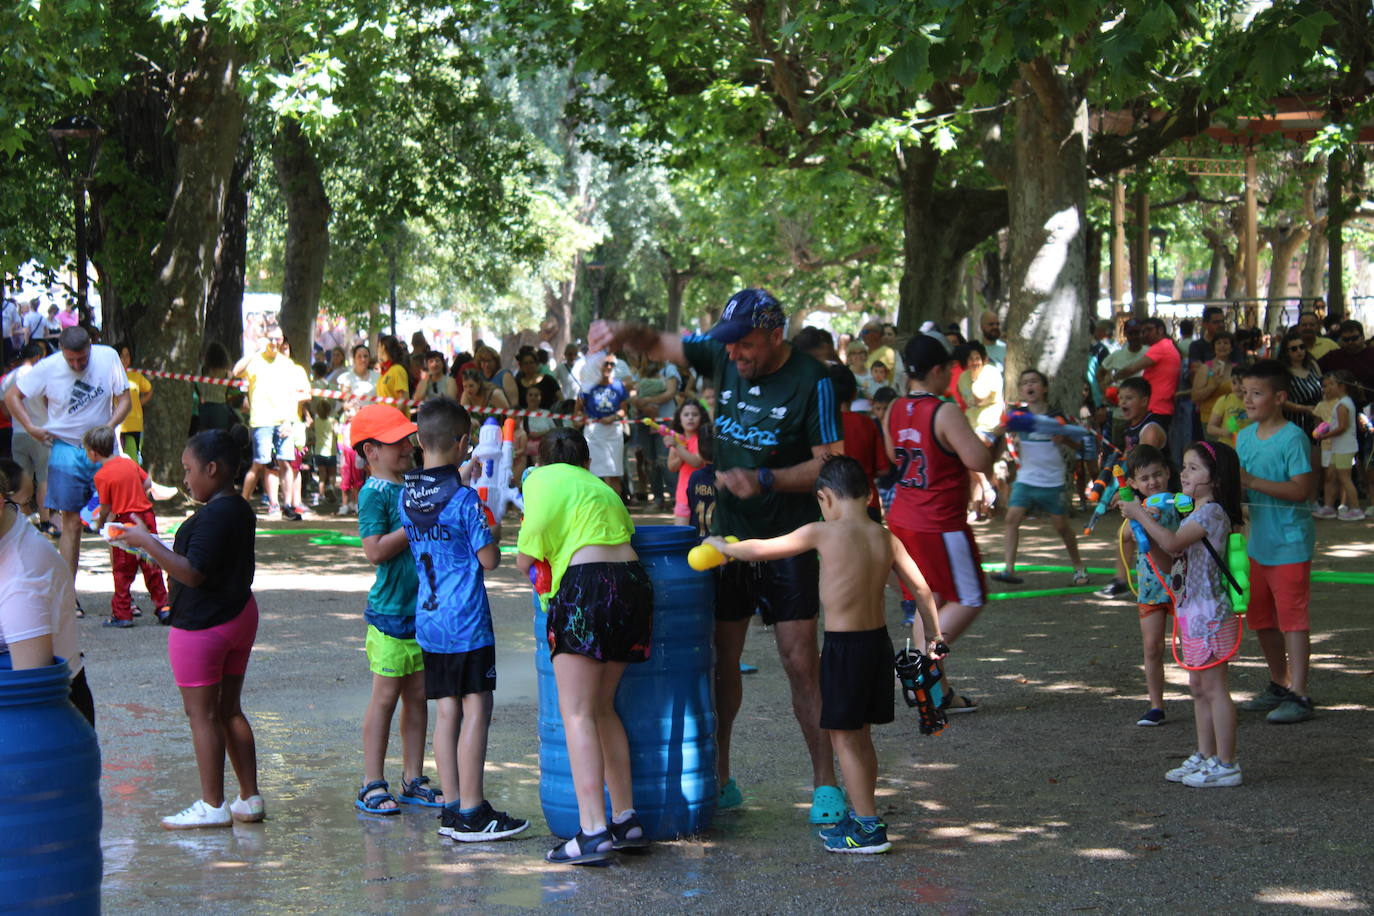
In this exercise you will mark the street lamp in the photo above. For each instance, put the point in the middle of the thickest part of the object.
(68, 136)
(1162, 237)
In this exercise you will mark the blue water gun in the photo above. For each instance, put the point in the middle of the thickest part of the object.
(1020, 420)
(1180, 502)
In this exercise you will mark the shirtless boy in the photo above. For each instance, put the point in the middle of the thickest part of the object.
(856, 662)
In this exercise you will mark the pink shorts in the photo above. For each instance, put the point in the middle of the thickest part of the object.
(1215, 643)
(1279, 596)
(201, 658)
(350, 478)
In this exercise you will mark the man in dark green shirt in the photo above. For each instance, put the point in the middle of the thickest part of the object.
(776, 421)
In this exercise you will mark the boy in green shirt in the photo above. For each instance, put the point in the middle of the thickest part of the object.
(382, 435)
(1276, 472)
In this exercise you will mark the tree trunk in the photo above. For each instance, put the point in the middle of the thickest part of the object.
(675, 280)
(1314, 262)
(307, 236)
(125, 216)
(224, 311)
(207, 119)
(1216, 274)
(1223, 272)
(1284, 242)
(1046, 323)
(1335, 225)
(558, 306)
(939, 229)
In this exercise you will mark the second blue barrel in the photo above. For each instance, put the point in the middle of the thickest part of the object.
(665, 703)
(49, 795)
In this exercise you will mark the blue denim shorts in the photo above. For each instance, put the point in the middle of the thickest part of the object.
(271, 443)
(71, 478)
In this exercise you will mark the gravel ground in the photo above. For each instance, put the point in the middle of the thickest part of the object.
(1047, 800)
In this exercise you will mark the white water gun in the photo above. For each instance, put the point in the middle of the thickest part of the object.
(496, 463)
(112, 533)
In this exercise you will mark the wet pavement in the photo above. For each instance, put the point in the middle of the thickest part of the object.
(1047, 800)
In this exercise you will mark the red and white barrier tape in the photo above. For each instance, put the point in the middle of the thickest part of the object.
(342, 396)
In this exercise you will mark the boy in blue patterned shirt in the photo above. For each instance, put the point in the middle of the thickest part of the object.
(452, 545)
(1150, 474)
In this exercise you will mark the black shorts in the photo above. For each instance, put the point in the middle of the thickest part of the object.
(857, 674)
(328, 462)
(604, 611)
(457, 674)
(786, 589)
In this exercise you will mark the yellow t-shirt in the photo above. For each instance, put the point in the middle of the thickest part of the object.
(394, 383)
(984, 398)
(274, 390)
(567, 508)
(1322, 346)
(138, 385)
(1229, 413)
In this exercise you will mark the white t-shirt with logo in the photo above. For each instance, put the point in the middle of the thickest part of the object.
(77, 403)
(36, 592)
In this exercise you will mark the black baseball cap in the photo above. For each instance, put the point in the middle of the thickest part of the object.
(747, 309)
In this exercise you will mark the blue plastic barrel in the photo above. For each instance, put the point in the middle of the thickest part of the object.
(49, 795)
(665, 703)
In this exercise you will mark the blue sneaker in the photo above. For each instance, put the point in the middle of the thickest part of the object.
(856, 838)
(839, 828)
(730, 795)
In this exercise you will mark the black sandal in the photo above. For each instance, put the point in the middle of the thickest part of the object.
(374, 794)
(416, 792)
(621, 834)
(591, 850)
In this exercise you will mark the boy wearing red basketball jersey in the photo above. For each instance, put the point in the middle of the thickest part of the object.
(934, 448)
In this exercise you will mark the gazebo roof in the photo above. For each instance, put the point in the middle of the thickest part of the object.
(1297, 118)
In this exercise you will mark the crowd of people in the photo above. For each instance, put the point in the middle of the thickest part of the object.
(835, 468)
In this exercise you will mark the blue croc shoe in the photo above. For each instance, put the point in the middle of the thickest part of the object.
(730, 795)
(827, 805)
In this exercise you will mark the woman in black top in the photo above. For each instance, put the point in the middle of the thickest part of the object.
(214, 622)
(531, 376)
(1304, 391)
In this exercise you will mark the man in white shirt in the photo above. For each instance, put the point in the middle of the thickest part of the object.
(28, 452)
(566, 373)
(33, 322)
(13, 328)
(84, 386)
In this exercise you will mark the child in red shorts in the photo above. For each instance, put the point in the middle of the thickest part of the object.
(122, 488)
(1277, 476)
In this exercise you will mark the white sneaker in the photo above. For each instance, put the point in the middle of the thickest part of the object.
(199, 815)
(1191, 765)
(1215, 775)
(249, 810)
(345, 509)
(273, 514)
(1323, 512)
(1350, 514)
